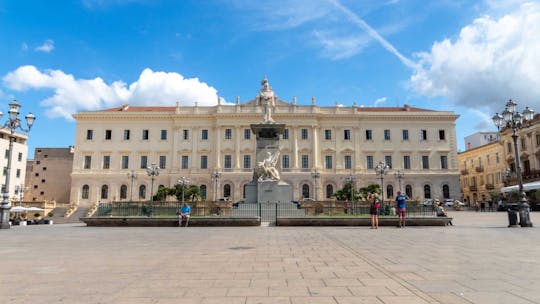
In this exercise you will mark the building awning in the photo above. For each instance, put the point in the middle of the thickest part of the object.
(526, 187)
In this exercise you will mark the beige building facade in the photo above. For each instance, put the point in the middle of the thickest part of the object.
(18, 162)
(48, 176)
(196, 142)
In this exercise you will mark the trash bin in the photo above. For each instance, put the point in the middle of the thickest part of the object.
(512, 218)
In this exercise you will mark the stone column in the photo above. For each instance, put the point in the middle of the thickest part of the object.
(195, 150)
(217, 151)
(295, 148)
(316, 154)
(237, 148)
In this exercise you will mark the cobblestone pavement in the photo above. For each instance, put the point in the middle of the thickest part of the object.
(478, 260)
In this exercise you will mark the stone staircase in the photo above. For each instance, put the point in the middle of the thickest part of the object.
(59, 212)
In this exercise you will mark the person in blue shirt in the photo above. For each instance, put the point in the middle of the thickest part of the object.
(400, 202)
(185, 212)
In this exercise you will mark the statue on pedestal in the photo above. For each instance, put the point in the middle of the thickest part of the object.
(266, 169)
(267, 99)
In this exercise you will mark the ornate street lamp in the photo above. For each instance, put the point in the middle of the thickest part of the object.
(131, 175)
(215, 177)
(351, 179)
(381, 170)
(315, 174)
(152, 171)
(12, 124)
(399, 176)
(183, 182)
(510, 119)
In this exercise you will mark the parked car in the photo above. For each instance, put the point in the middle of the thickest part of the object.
(451, 202)
(428, 202)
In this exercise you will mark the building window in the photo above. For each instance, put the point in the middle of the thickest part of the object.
(427, 191)
(369, 162)
(304, 134)
(87, 162)
(228, 133)
(444, 162)
(228, 161)
(19, 156)
(127, 133)
(144, 161)
(162, 161)
(408, 191)
(89, 134)
(285, 162)
(106, 161)
(406, 162)
(247, 161)
(405, 134)
(423, 134)
(185, 161)
(348, 162)
(347, 134)
(442, 136)
(204, 161)
(425, 162)
(389, 191)
(328, 161)
(247, 134)
(305, 161)
(108, 134)
(329, 191)
(185, 134)
(446, 191)
(369, 135)
(388, 160)
(85, 192)
(386, 134)
(202, 191)
(497, 157)
(163, 134)
(286, 134)
(123, 192)
(18, 174)
(305, 191)
(509, 147)
(523, 145)
(125, 162)
(104, 192)
(227, 190)
(204, 134)
(42, 181)
(537, 140)
(145, 134)
(328, 134)
(142, 191)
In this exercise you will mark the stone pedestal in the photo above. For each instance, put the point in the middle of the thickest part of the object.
(273, 192)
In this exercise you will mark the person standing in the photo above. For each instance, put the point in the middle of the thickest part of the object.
(374, 210)
(400, 202)
(185, 212)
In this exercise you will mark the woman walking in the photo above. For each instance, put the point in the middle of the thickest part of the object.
(374, 210)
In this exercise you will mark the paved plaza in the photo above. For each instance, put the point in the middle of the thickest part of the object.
(478, 260)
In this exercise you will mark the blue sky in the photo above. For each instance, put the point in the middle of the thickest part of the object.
(470, 57)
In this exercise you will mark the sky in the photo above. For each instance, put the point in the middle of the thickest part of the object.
(468, 57)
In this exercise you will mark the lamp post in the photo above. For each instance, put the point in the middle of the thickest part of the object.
(399, 176)
(183, 182)
(132, 175)
(13, 123)
(510, 119)
(315, 174)
(352, 180)
(215, 177)
(152, 171)
(381, 170)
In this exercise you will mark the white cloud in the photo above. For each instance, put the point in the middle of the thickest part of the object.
(72, 95)
(338, 47)
(46, 47)
(379, 101)
(491, 61)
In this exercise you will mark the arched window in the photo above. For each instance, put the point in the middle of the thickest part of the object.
(446, 191)
(85, 192)
(329, 191)
(202, 190)
(408, 191)
(123, 192)
(389, 191)
(104, 192)
(142, 191)
(305, 190)
(427, 191)
(227, 190)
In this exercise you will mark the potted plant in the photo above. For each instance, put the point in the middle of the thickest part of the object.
(49, 221)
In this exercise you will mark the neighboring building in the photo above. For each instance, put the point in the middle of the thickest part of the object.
(49, 175)
(480, 139)
(18, 161)
(482, 171)
(194, 142)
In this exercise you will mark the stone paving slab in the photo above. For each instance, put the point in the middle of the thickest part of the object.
(479, 260)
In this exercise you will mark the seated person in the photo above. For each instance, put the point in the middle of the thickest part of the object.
(442, 212)
(185, 212)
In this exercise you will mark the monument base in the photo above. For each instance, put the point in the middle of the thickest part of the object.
(274, 192)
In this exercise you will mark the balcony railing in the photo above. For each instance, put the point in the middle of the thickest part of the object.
(480, 169)
(473, 188)
(464, 172)
(490, 186)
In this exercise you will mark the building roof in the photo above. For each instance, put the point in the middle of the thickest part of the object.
(405, 108)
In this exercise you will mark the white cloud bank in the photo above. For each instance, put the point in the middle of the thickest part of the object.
(490, 62)
(46, 47)
(72, 95)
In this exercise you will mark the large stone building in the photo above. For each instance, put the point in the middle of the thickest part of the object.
(196, 142)
(480, 138)
(48, 175)
(18, 162)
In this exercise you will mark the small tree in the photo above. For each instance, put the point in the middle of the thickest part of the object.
(371, 188)
(347, 193)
